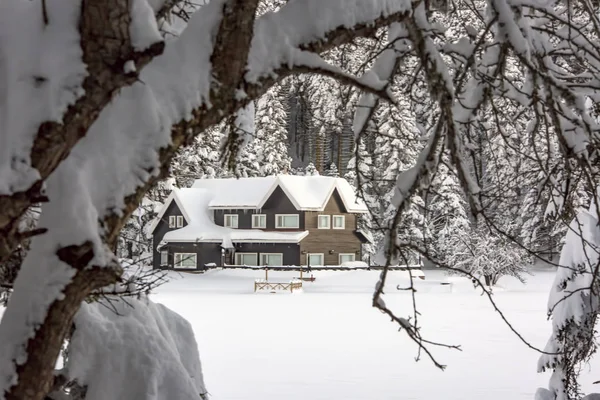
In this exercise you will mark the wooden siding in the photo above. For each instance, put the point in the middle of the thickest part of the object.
(205, 252)
(324, 240)
(161, 228)
(290, 251)
(277, 203)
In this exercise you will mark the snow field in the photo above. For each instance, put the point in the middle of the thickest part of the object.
(329, 343)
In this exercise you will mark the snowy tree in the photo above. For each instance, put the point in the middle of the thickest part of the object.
(574, 307)
(332, 170)
(487, 86)
(479, 81)
(70, 143)
(271, 134)
(481, 253)
(310, 170)
(446, 214)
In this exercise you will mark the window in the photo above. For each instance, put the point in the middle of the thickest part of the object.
(180, 221)
(339, 222)
(185, 260)
(231, 220)
(287, 221)
(271, 259)
(246, 259)
(259, 221)
(324, 222)
(164, 257)
(172, 221)
(346, 257)
(315, 259)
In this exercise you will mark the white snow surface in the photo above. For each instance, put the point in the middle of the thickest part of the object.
(41, 74)
(278, 35)
(144, 352)
(329, 343)
(143, 28)
(309, 193)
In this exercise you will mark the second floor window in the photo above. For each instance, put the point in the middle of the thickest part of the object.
(172, 221)
(287, 221)
(180, 221)
(231, 220)
(324, 222)
(259, 221)
(339, 222)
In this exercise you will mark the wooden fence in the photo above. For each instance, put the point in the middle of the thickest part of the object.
(272, 286)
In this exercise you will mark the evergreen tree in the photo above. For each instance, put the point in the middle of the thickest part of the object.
(270, 143)
(310, 170)
(332, 170)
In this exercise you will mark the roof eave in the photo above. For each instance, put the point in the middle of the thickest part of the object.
(233, 207)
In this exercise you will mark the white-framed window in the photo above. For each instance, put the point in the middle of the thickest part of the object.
(272, 259)
(164, 257)
(185, 260)
(287, 221)
(339, 222)
(231, 220)
(315, 259)
(246, 259)
(324, 221)
(346, 257)
(180, 221)
(172, 221)
(259, 221)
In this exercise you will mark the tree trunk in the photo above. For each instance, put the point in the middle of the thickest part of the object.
(488, 280)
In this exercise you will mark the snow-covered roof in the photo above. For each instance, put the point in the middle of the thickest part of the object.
(307, 193)
(193, 203)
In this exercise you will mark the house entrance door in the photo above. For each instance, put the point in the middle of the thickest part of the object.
(228, 256)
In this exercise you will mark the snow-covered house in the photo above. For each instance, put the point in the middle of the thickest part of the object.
(275, 220)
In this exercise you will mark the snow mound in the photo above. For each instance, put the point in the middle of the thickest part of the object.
(355, 264)
(134, 350)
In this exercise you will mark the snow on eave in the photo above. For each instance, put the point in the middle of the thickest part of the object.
(233, 207)
(356, 207)
(299, 236)
(271, 190)
(345, 191)
(165, 207)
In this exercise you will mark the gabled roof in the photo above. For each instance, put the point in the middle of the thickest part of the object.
(193, 203)
(183, 201)
(307, 193)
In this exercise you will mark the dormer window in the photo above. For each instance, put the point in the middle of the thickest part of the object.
(287, 221)
(259, 221)
(172, 221)
(180, 221)
(324, 222)
(339, 222)
(231, 221)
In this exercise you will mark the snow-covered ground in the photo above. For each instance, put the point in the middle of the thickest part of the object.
(329, 343)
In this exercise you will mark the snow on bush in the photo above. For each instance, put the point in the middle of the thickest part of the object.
(134, 349)
(574, 306)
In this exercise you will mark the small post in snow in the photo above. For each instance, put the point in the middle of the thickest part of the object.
(266, 273)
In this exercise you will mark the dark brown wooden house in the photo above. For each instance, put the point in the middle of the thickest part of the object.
(271, 221)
